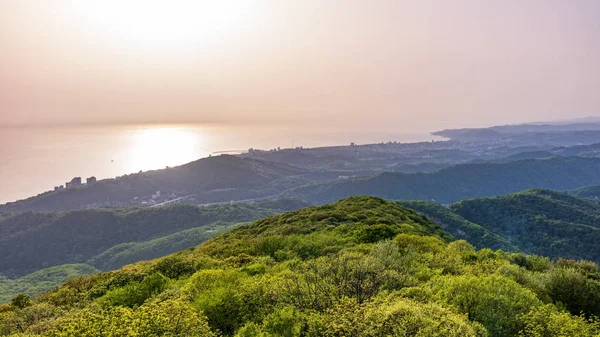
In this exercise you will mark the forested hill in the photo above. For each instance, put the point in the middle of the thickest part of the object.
(462, 181)
(460, 227)
(587, 192)
(31, 241)
(359, 267)
(540, 222)
(232, 178)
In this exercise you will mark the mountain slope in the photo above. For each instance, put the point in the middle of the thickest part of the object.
(592, 192)
(42, 280)
(31, 241)
(462, 181)
(540, 222)
(521, 128)
(591, 150)
(244, 175)
(460, 227)
(130, 252)
(358, 267)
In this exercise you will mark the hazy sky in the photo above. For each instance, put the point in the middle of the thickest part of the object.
(391, 64)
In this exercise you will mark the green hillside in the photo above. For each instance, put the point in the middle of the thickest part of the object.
(460, 227)
(544, 222)
(540, 222)
(127, 253)
(42, 280)
(358, 267)
(111, 259)
(462, 182)
(31, 241)
(587, 192)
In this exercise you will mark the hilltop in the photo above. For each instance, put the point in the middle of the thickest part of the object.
(358, 267)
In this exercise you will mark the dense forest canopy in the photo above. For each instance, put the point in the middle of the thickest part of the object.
(459, 227)
(541, 222)
(587, 192)
(358, 267)
(30, 241)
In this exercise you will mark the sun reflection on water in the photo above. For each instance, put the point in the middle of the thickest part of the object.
(158, 147)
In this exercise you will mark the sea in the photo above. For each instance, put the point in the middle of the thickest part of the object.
(35, 159)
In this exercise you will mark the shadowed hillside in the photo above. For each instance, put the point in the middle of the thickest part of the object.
(587, 192)
(31, 241)
(462, 181)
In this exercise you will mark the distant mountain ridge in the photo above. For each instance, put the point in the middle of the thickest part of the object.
(500, 130)
(461, 182)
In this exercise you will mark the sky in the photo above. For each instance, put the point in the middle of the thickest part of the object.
(362, 65)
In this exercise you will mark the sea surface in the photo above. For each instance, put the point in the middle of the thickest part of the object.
(35, 159)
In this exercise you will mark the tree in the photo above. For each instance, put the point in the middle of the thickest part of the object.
(20, 301)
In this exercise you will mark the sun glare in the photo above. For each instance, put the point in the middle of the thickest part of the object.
(164, 23)
(155, 148)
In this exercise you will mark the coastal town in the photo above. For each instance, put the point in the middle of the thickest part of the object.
(76, 182)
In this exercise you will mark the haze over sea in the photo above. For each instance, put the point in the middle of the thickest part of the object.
(35, 160)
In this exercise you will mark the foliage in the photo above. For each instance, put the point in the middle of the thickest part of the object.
(546, 321)
(358, 267)
(157, 318)
(136, 293)
(592, 192)
(30, 241)
(540, 222)
(393, 316)
(42, 280)
(460, 227)
(131, 252)
(20, 301)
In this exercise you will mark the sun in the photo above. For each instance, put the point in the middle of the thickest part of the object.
(165, 23)
(157, 147)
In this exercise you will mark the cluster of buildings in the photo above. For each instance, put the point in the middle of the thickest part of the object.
(277, 149)
(76, 182)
